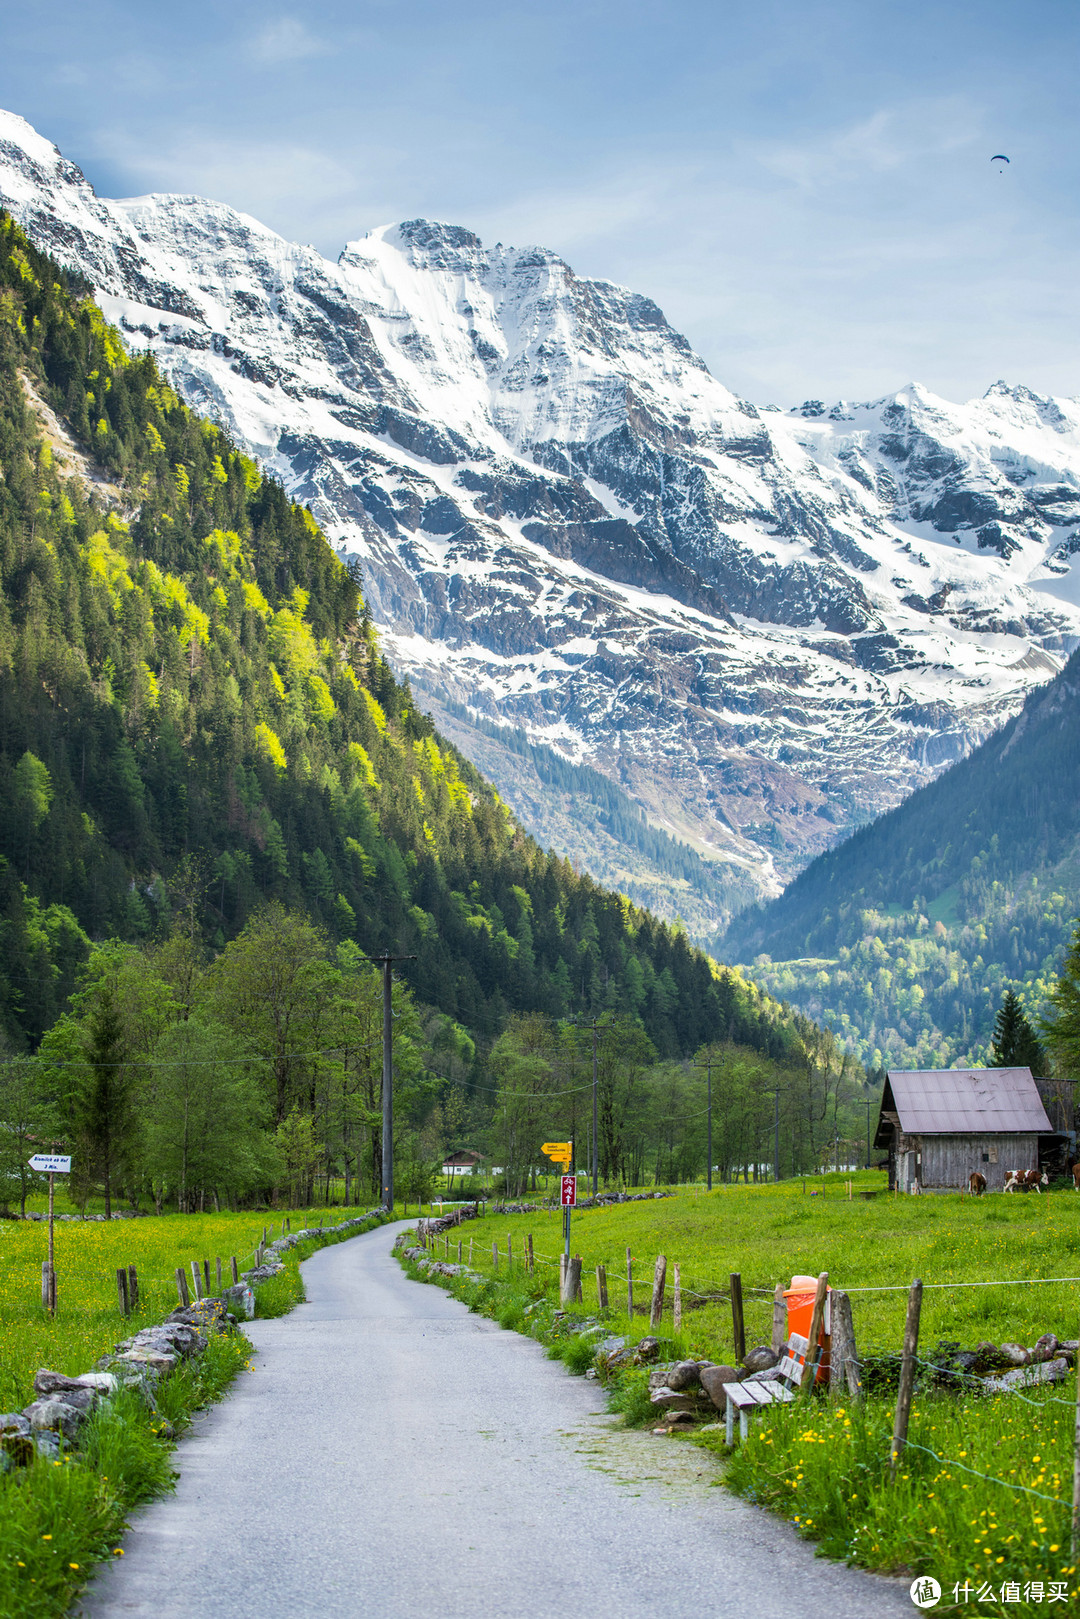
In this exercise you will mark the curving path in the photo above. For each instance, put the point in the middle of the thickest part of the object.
(391, 1456)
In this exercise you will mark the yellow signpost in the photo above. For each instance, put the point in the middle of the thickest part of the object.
(560, 1152)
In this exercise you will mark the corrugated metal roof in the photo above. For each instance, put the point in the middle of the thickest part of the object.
(950, 1101)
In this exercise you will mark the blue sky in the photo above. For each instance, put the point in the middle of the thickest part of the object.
(805, 188)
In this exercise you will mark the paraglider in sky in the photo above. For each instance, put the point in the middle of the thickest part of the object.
(999, 158)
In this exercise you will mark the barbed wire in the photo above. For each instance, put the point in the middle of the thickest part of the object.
(1055, 1500)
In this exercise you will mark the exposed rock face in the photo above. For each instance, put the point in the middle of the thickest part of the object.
(764, 625)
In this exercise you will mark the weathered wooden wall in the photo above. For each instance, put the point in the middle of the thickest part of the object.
(947, 1161)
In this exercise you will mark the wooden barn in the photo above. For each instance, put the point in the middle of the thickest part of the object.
(939, 1124)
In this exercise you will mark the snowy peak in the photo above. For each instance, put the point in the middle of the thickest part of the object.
(764, 625)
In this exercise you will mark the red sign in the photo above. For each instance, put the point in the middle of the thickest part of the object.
(569, 1191)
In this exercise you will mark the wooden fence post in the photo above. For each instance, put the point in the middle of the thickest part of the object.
(779, 1319)
(196, 1278)
(843, 1356)
(907, 1375)
(495, 1256)
(459, 1251)
(509, 1253)
(738, 1327)
(571, 1280)
(182, 1287)
(235, 1271)
(629, 1285)
(133, 1287)
(676, 1301)
(206, 1277)
(1076, 1477)
(531, 1261)
(809, 1370)
(656, 1311)
(218, 1262)
(601, 1286)
(122, 1290)
(470, 1252)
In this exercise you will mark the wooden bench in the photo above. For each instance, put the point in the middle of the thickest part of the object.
(777, 1390)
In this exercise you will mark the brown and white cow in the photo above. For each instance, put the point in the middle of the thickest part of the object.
(1026, 1180)
(976, 1184)
(1076, 1176)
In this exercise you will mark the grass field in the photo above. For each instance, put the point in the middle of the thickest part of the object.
(768, 1233)
(983, 1494)
(88, 1321)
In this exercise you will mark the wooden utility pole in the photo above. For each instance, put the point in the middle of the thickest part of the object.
(708, 1067)
(386, 962)
(907, 1375)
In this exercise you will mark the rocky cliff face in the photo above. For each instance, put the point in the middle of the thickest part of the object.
(765, 625)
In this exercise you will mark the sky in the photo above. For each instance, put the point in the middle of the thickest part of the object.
(805, 188)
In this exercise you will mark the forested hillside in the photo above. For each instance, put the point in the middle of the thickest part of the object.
(906, 936)
(194, 713)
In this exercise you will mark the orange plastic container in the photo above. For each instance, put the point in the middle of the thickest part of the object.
(800, 1313)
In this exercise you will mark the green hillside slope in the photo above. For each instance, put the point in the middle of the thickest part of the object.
(906, 936)
(194, 713)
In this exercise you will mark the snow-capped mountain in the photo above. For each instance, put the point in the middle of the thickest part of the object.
(763, 624)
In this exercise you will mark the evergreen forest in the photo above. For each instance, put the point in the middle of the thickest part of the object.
(905, 938)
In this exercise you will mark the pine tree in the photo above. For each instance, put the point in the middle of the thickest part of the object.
(1015, 1043)
(104, 1108)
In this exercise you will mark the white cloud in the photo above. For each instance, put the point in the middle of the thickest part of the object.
(286, 40)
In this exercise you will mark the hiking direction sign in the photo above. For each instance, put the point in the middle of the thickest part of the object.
(569, 1191)
(50, 1163)
(560, 1152)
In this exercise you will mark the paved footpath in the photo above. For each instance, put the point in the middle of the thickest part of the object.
(391, 1456)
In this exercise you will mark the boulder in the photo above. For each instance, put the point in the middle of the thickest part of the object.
(1015, 1355)
(647, 1350)
(713, 1379)
(1045, 1348)
(55, 1416)
(240, 1300)
(669, 1400)
(46, 1383)
(155, 1360)
(13, 1422)
(684, 1375)
(1048, 1371)
(760, 1359)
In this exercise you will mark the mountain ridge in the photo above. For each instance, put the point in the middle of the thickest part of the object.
(764, 626)
(905, 937)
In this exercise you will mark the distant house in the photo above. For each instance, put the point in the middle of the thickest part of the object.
(465, 1162)
(940, 1124)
